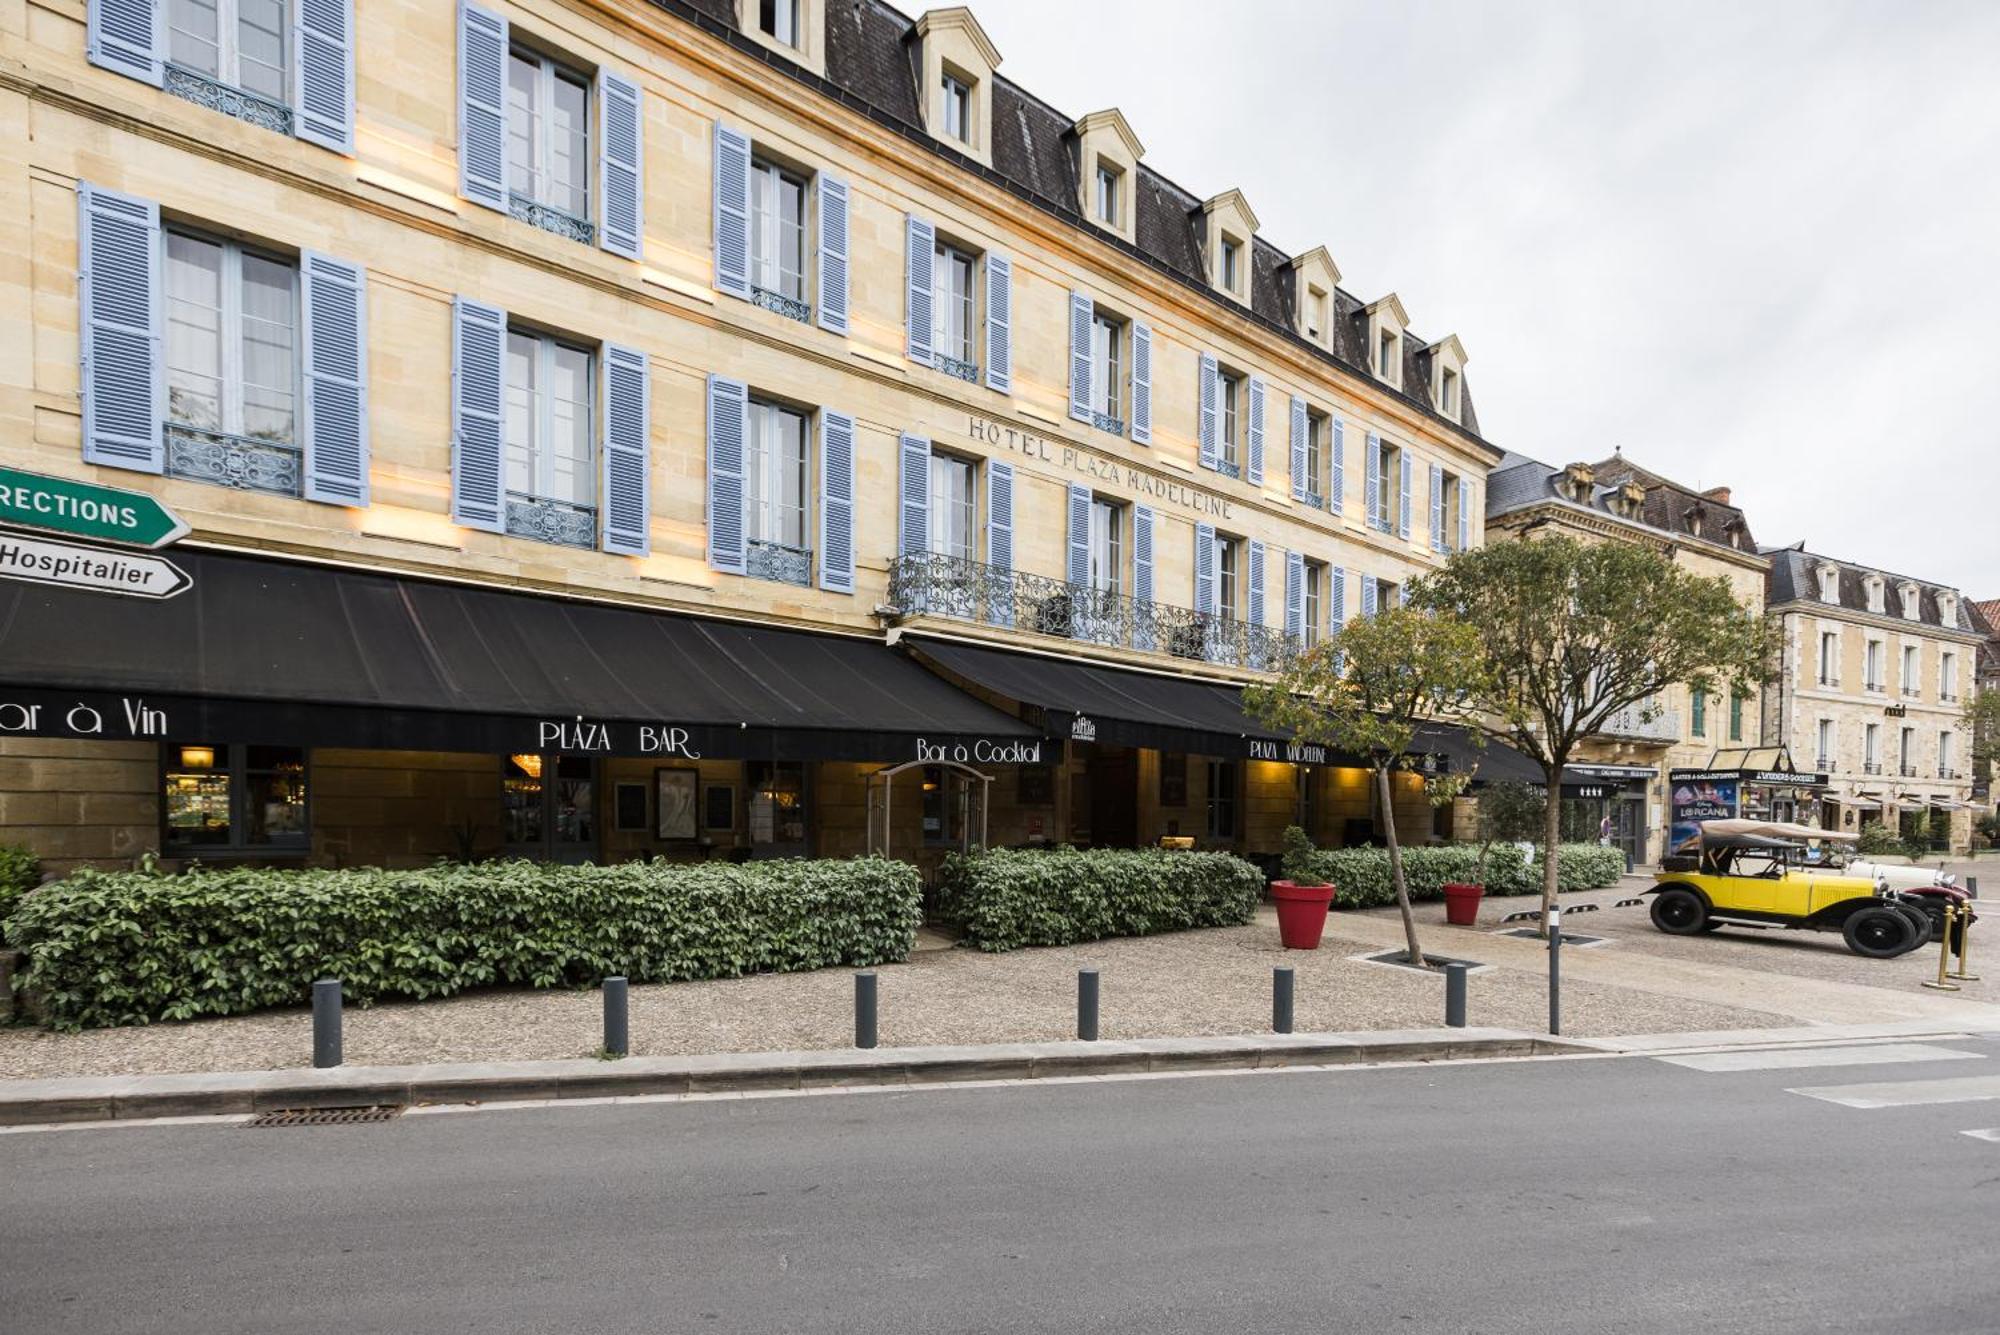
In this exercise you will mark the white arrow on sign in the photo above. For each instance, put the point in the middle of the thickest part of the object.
(70, 565)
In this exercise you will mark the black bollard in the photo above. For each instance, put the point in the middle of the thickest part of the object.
(1281, 1000)
(1555, 971)
(1086, 1005)
(1972, 887)
(326, 1022)
(864, 1009)
(617, 1018)
(1455, 975)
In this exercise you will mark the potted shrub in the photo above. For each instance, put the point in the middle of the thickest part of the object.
(1508, 812)
(1302, 896)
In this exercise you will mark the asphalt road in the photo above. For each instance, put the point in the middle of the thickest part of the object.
(1599, 1195)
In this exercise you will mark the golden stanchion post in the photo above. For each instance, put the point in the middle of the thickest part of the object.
(1962, 972)
(1944, 953)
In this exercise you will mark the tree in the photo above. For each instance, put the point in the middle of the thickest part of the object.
(1982, 720)
(1363, 692)
(1575, 633)
(1509, 813)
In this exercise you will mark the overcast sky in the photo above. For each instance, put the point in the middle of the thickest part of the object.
(1754, 244)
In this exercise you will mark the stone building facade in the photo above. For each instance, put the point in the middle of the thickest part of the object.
(792, 319)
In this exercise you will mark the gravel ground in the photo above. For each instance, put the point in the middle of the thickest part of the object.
(1205, 982)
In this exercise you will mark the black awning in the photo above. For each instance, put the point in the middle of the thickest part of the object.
(277, 651)
(1118, 707)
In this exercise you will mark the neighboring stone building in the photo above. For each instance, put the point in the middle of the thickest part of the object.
(1623, 774)
(1986, 777)
(624, 428)
(1875, 673)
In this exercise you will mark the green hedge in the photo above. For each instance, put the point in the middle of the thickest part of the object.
(20, 872)
(132, 947)
(1361, 875)
(1006, 899)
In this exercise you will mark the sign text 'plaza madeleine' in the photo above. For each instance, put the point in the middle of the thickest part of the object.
(1098, 467)
(86, 510)
(70, 565)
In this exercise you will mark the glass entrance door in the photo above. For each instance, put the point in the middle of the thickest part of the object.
(548, 807)
(779, 809)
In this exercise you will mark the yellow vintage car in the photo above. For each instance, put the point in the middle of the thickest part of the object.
(1751, 878)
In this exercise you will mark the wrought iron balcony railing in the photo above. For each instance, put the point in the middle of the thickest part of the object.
(790, 307)
(207, 91)
(1871, 767)
(242, 462)
(547, 520)
(966, 590)
(777, 562)
(1946, 772)
(550, 218)
(957, 367)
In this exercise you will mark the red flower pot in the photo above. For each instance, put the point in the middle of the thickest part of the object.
(1461, 904)
(1301, 913)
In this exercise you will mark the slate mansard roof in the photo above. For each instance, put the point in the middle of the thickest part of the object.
(871, 66)
(1794, 578)
(1520, 483)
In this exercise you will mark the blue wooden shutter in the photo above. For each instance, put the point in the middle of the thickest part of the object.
(620, 164)
(728, 430)
(832, 254)
(1204, 569)
(1295, 594)
(836, 501)
(1464, 514)
(323, 54)
(1369, 599)
(1142, 384)
(1371, 495)
(1301, 444)
(1142, 575)
(919, 283)
(1078, 568)
(1080, 313)
(1336, 600)
(1000, 540)
(126, 36)
(1254, 467)
(999, 323)
(1209, 455)
(1337, 495)
(913, 528)
(119, 295)
(482, 106)
(1256, 617)
(334, 318)
(628, 524)
(1403, 495)
(732, 211)
(478, 392)
(1438, 542)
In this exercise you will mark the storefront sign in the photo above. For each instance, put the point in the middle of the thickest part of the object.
(582, 737)
(980, 751)
(86, 510)
(1081, 729)
(1297, 753)
(96, 569)
(114, 718)
(1098, 468)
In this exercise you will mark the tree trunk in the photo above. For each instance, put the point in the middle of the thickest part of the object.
(1551, 838)
(1387, 798)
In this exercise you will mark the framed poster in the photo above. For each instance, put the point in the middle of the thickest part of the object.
(674, 802)
(631, 806)
(719, 809)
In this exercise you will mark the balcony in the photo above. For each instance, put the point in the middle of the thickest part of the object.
(545, 519)
(1946, 772)
(1912, 692)
(957, 367)
(1871, 767)
(1824, 765)
(1876, 688)
(242, 462)
(205, 90)
(1631, 724)
(966, 590)
(1909, 771)
(550, 218)
(792, 308)
(777, 562)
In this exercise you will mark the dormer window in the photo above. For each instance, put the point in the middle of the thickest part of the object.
(1107, 171)
(1448, 393)
(1314, 281)
(1387, 356)
(1315, 314)
(1911, 598)
(790, 27)
(1229, 228)
(1386, 322)
(779, 20)
(1875, 594)
(957, 108)
(958, 64)
(1947, 607)
(1106, 205)
(1232, 263)
(1829, 584)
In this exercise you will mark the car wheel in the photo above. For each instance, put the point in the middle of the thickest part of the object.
(1679, 912)
(1921, 921)
(1878, 932)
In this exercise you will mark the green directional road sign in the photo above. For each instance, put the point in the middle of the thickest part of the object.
(109, 514)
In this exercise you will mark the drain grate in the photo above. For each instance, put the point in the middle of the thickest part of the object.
(326, 1116)
(1569, 938)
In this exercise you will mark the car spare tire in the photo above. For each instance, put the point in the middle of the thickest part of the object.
(1679, 912)
(1879, 932)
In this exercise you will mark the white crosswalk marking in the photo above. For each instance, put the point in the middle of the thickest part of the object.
(1905, 1093)
(1777, 1059)
(1990, 1133)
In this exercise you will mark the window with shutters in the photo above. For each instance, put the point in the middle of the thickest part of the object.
(775, 487)
(1736, 715)
(778, 240)
(1107, 371)
(954, 312)
(1232, 405)
(232, 365)
(1107, 546)
(550, 436)
(953, 530)
(1698, 712)
(1312, 588)
(548, 145)
(232, 56)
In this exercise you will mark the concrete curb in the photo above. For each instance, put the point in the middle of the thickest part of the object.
(107, 1098)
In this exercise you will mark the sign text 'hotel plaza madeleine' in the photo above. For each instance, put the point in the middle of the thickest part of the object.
(1098, 467)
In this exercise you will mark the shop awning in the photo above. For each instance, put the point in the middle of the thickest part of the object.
(1119, 707)
(277, 651)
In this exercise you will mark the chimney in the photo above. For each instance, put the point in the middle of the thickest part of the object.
(1720, 495)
